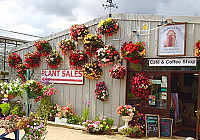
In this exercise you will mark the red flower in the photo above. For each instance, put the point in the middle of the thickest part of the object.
(132, 52)
(13, 60)
(43, 47)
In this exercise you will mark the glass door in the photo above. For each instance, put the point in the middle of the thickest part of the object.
(158, 100)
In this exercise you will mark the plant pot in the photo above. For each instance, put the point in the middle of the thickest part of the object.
(80, 37)
(126, 119)
(10, 96)
(62, 120)
(32, 95)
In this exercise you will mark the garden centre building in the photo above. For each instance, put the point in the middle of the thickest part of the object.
(170, 62)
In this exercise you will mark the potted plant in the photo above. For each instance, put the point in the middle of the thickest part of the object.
(108, 27)
(126, 112)
(54, 59)
(77, 59)
(45, 110)
(12, 89)
(13, 60)
(92, 70)
(101, 91)
(133, 52)
(43, 47)
(21, 70)
(9, 123)
(107, 55)
(5, 108)
(36, 128)
(32, 59)
(66, 45)
(17, 108)
(77, 31)
(118, 72)
(99, 125)
(133, 131)
(33, 88)
(64, 112)
(92, 43)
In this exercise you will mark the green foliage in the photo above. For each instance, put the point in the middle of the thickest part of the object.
(53, 111)
(5, 108)
(106, 123)
(36, 129)
(100, 124)
(85, 111)
(133, 131)
(43, 110)
(74, 119)
(65, 111)
(17, 108)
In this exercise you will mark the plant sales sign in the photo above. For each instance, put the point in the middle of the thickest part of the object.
(62, 76)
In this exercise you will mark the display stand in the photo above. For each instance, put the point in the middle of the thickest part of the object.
(16, 132)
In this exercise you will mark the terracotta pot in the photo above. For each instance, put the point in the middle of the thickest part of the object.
(10, 96)
(80, 37)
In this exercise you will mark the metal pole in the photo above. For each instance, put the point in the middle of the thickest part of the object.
(110, 15)
(27, 98)
(4, 63)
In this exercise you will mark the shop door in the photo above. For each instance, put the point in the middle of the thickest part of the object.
(158, 101)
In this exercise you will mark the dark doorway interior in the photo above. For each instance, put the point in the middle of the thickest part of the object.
(184, 93)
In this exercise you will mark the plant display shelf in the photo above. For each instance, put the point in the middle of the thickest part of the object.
(16, 132)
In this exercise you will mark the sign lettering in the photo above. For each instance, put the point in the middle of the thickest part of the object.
(62, 76)
(173, 62)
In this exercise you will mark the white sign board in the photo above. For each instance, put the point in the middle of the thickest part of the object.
(173, 62)
(62, 76)
(171, 40)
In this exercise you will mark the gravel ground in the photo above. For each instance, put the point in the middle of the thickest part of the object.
(60, 133)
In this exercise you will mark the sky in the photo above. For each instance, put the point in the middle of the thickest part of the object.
(46, 17)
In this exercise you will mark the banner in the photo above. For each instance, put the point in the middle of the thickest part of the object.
(62, 76)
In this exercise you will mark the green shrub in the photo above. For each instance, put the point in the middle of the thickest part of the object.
(5, 108)
(74, 119)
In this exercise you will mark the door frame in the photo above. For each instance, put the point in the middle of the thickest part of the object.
(152, 110)
(198, 108)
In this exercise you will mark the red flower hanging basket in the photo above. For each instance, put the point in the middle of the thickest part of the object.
(197, 51)
(13, 60)
(65, 46)
(43, 47)
(32, 59)
(140, 85)
(77, 59)
(133, 52)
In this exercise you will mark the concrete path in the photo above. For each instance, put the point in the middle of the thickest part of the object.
(60, 133)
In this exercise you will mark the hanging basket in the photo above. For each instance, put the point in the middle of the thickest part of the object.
(32, 95)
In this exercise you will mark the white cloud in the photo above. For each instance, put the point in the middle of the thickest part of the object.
(45, 17)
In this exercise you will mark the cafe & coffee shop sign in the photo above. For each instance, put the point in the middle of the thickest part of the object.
(173, 62)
